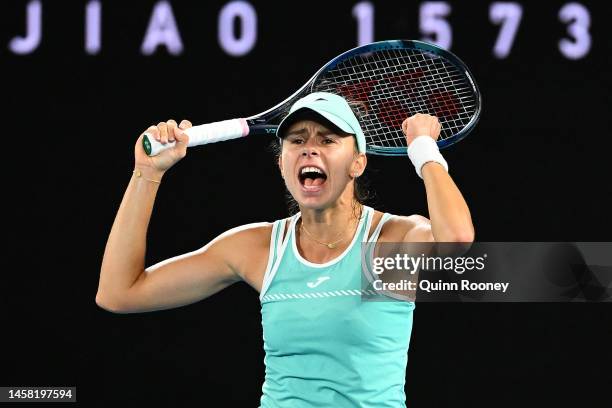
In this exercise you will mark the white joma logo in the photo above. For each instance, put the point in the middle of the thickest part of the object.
(317, 282)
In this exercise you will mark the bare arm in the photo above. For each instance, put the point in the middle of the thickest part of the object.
(124, 284)
(450, 216)
(124, 255)
(196, 275)
(449, 213)
(127, 287)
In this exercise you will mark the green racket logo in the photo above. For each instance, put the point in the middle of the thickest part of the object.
(146, 144)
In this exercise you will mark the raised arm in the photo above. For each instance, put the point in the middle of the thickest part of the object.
(449, 213)
(190, 277)
(125, 286)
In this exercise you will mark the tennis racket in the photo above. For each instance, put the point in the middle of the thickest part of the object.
(391, 80)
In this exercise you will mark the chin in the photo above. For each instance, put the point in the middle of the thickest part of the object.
(314, 199)
(314, 202)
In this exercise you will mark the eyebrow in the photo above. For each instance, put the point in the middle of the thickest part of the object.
(303, 130)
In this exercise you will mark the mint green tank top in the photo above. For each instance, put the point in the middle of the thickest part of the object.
(324, 345)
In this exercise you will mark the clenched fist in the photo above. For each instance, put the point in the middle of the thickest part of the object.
(421, 124)
(164, 132)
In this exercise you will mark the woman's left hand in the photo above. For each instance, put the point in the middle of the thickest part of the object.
(421, 124)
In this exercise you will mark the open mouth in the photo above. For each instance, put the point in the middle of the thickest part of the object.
(311, 177)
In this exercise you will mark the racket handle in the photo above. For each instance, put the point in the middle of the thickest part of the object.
(199, 135)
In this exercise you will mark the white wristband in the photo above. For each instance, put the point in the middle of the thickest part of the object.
(424, 149)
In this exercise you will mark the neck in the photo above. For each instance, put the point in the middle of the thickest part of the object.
(328, 223)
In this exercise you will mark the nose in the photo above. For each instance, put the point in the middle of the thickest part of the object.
(310, 151)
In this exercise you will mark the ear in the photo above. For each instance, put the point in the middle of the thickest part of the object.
(280, 165)
(359, 164)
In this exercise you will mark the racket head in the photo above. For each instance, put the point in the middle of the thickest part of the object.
(392, 80)
(399, 78)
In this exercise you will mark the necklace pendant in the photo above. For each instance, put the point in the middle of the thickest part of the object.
(331, 246)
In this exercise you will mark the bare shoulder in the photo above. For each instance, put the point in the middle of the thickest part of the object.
(245, 236)
(407, 228)
(246, 250)
(245, 241)
(248, 233)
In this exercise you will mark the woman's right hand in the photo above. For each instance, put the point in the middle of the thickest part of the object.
(164, 132)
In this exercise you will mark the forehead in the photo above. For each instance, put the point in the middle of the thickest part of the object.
(309, 126)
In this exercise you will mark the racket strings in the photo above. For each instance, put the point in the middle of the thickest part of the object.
(397, 83)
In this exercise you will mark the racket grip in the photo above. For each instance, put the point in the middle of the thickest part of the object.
(199, 135)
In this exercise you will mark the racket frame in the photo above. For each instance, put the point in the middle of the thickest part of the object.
(260, 123)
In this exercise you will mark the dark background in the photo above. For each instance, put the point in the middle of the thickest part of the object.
(533, 170)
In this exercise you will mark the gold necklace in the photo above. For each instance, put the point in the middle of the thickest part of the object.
(330, 245)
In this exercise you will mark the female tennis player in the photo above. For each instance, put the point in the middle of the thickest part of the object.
(325, 346)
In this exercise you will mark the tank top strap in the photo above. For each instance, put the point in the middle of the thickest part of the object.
(277, 240)
(370, 245)
(385, 217)
(369, 214)
(292, 221)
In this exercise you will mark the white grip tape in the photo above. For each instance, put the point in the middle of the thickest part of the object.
(424, 149)
(204, 134)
